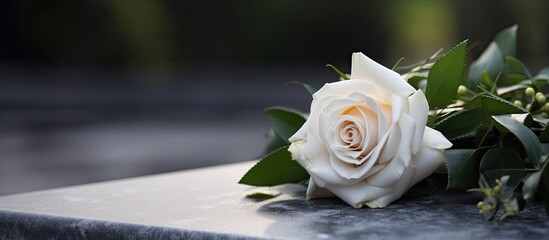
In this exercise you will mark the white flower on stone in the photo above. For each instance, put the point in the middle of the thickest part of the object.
(366, 139)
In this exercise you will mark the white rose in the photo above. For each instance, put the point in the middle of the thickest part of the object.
(365, 139)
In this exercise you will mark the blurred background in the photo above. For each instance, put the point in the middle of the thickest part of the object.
(94, 90)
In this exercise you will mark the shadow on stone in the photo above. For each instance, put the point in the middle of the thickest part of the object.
(440, 216)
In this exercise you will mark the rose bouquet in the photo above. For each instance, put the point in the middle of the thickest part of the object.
(375, 133)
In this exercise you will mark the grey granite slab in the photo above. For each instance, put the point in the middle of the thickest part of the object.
(208, 203)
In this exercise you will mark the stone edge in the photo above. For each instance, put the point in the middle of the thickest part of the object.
(22, 225)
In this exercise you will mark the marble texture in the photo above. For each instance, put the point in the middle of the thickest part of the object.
(207, 203)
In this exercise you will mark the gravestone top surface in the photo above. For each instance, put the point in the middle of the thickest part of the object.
(208, 203)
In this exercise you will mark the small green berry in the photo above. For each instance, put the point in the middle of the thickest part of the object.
(540, 98)
(528, 106)
(518, 103)
(497, 188)
(461, 90)
(529, 92)
(546, 107)
(480, 205)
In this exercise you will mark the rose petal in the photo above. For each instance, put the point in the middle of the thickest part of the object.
(359, 193)
(394, 170)
(301, 134)
(325, 95)
(407, 126)
(314, 191)
(365, 68)
(341, 149)
(318, 164)
(364, 170)
(399, 106)
(397, 190)
(385, 119)
(390, 148)
(344, 88)
(427, 160)
(310, 126)
(370, 136)
(375, 122)
(297, 151)
(363, 114)
(435, 139)
(419, 109)
(360, 112)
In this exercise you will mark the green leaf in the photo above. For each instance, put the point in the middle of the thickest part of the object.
(310, 89)
(529, 140)
(538, 184)
(495, 105)
(543, 189)
(543, 74)
(483, 133)
(414, 81)
(518, 66)
(531, 122)
(445, 76)
(275, 169)
(285, 122)
(512, 78)
(475, 102)
(507, 41)
(262, 193)
(274, 142)
(541, 120)
(499, 162)
(461, 124)
(340, 73)
(544, 135)
(487, 80)
(492, 59)
(463, 167)
(531, 183)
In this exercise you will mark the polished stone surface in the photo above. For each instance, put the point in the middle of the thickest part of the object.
(207, 203)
